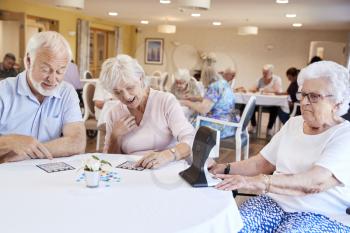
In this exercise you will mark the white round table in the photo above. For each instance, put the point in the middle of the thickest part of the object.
(143, 201)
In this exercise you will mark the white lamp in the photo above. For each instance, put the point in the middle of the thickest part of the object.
(247, 30)
(195, 4)
(167, 28)
(76, 4)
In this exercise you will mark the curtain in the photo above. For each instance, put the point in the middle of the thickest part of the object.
(83, 46)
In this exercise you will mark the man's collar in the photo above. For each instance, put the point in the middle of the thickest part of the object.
(24, 89)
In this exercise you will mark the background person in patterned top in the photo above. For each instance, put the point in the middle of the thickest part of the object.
(218, 101)
(39, 114)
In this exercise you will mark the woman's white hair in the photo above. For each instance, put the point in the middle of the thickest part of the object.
(229, 70)
(120, 69)
(183, 74)
(209, 75)
(337, 77)
(50, 40)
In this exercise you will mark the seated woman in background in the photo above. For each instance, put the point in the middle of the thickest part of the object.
(292, 75)
(185, 85)
(309, 190)
(218, 101)
(229, 74)
(144, 121)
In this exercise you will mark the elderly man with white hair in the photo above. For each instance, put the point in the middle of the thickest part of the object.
(309, 189)
(39, 113)
(185, 86)
(268, 83)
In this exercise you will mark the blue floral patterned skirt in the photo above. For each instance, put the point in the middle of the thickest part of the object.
(263, 214)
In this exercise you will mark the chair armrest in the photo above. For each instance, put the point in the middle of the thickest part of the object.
(202, 118)
(86, 115)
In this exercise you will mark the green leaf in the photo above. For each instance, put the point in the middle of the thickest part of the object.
(106, 162)
(86, 168)
(95, 157)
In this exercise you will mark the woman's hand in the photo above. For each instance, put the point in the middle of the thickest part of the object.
(185, 102)
(124, 126)
(216, 168)
(155, 159)
(231, 182)
(192, 98)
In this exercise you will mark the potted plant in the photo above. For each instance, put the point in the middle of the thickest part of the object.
(93, 167)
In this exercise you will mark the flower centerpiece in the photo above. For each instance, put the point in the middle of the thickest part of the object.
(93, 167)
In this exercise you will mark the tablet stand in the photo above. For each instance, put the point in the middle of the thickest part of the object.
(206, 144)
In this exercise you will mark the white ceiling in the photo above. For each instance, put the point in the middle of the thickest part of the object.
(313, 14)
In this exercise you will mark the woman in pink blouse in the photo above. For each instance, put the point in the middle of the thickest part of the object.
(145, 121)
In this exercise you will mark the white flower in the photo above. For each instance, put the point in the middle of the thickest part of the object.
(96, 164)
(92, 164)
(106, 167)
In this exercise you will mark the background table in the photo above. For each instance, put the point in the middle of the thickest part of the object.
(263, 100)
(144, 201)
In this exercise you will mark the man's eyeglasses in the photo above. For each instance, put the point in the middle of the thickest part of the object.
(312, 97)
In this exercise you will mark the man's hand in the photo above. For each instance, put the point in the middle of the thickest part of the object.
(20, 147)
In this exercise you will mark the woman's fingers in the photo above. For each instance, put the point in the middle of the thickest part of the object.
(129, 119)
(156, 164)
(227, 185)
(145, 162)
(230, 182)
(139, 162)
(222, 176)
(153, 160)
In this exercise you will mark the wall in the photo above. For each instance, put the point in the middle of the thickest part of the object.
(67, 20)
(7, 44)
(283, 48)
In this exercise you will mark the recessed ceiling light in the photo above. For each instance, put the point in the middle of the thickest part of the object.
(216, 23)
(291, 15)
(297, 24)
(144, 22)
(164, 1)
(112, 13)
(195, 15)
(282, 1)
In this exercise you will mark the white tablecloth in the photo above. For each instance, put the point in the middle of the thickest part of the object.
(144, 201)
(264, 100)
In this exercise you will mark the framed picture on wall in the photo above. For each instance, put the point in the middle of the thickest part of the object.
(154, 51)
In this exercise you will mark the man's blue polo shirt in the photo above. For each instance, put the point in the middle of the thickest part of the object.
(21, 112)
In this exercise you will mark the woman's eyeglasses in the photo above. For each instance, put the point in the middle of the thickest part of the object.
(312, 97)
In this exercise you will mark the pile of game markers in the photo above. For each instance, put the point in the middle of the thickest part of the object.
(106, 179)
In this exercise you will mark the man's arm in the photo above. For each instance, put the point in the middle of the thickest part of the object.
(72, 142)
